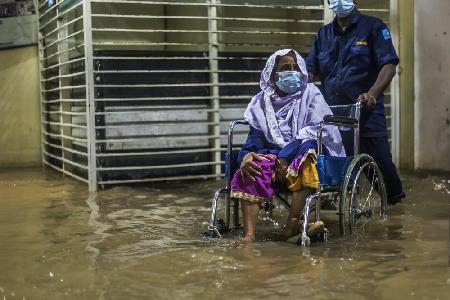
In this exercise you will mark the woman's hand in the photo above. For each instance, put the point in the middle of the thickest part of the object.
(281, 166)
(249, 168)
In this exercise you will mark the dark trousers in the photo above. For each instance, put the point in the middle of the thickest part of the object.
(379, 149)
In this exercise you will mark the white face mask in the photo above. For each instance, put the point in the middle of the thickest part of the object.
(342, 8)
(291, 82)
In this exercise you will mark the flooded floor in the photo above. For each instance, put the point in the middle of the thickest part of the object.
(57, 241)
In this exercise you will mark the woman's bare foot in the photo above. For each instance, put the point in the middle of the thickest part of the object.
(248, 238)
(293, 227)
(244, 240)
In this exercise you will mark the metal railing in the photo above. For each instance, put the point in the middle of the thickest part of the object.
(142, 91)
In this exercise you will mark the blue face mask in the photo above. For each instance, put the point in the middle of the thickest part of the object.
(342, 8)
(290, 82)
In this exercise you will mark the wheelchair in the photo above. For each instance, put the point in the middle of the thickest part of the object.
(352, 187)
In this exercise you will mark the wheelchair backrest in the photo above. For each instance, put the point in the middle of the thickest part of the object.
(347, 134)
(348, 111)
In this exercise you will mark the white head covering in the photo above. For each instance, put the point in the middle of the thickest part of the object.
(292, 117)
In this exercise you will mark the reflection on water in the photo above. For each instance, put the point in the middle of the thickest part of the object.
(58, 241)
(100, 228)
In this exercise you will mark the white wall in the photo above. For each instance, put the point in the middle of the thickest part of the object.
(432, 84)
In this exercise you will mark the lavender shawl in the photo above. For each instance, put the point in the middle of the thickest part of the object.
(293, 117)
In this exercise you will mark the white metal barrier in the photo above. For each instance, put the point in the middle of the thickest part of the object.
(139, 91)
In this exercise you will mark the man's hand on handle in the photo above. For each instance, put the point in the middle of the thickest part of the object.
(368, 99)
(384, 78)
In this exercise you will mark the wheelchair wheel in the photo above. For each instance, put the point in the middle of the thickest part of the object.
(363, 195)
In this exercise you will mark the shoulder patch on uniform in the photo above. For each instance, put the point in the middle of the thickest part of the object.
(386, 34)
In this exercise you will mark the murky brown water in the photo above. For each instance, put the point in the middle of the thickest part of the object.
(59, 242)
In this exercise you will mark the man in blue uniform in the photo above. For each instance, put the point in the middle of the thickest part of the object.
(354, 58)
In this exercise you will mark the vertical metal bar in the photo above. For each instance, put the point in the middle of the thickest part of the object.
(214, 92)
(305, 238)
(63, 46)
(214, 79)
(356, 129)
(60, 48)
(395, 86)
(229, 152)
(90, 96)
(41, 84)
(327, 18)
(319, 139)
(228, 182)
(319, 150)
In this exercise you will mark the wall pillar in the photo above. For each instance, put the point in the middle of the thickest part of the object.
(432, 93)
(406, 77)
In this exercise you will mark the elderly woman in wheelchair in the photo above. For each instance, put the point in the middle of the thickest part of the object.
(290, 123)
(281, 147)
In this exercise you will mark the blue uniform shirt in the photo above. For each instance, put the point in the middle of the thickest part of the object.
(348, 64)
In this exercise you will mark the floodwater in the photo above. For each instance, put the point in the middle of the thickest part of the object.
(57, 241)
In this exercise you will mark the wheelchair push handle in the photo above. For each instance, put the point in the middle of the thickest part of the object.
(342, 121)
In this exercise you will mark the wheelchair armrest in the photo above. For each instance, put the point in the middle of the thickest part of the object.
(230, 149)
(330, 119)
(235, 122)
(230, 132)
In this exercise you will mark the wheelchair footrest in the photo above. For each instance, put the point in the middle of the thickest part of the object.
(212, 232)
(316, 228)
(320, 237)
(316, 233)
